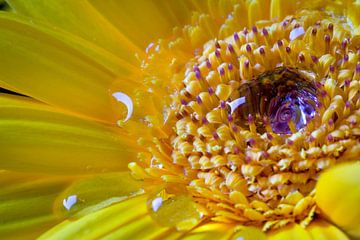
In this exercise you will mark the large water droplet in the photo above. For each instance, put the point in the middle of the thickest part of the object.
(280, 96)
(172, 206)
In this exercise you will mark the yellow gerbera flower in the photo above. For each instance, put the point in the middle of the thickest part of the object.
(184, 119)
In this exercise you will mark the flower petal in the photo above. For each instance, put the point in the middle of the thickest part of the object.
(42, 66)
(26, 204)
(338, 196)
(37, 138)
(79, 18)
(321, 230)
(293, 231)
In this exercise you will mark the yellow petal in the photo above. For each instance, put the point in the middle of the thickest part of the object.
(322, 230)
(338, 196)
(47, 68)
(79, 18)
(281, 8)
(216, 231)
(37, 138)
(26, 204)
(96, 192)
(100, 223)
(133, 21)
(244, 233)
(293, 232)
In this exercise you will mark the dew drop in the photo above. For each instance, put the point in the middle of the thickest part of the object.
(69, 202)
(126, 100)
(172, 206)
(281, 96)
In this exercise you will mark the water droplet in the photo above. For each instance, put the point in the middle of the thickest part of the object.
(126, 100)
(277, 98)
(296, 32)
(69, 202)
(172, 206)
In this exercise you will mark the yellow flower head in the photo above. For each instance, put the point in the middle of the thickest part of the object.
(228, 127)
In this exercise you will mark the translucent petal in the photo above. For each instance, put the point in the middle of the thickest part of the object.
(338, 196)
(37, 138)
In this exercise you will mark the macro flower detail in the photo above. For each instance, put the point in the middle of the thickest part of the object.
(215, 120)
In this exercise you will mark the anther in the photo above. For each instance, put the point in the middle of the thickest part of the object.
(347, 82)
(230, 67)
(198, 75)
(288, 49)
(183, 102)
(210, 90)
(254, 29)
(262, 51)
(314, 59)
(314, 31)
(208, 63)
(231, 48)
(330, 138)
(248, 48)
(327, 38)
(198, 100)
(245, 31)
(265, 32)
(280, 43)
(346, 58)
(204, 120)
(357, 69)
(236, 37)
(331, 68)
(301, 57)
(221, 71)
(216, 136)
(330, 27)
(246, 63)
(217, 53)
(230, 118)
(222, 104)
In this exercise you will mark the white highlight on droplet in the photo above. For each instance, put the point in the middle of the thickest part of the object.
(70, 201)
(235, 104)
(296, 32)
(156, 203)
(126, 100)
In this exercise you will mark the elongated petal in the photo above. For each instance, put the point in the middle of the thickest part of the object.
(47, 68)
(79, 18)
(211, 231)
(322, 230)
(26, 204)
(36, 138)
(338, 196)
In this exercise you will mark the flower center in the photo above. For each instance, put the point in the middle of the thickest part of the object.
(253, 121)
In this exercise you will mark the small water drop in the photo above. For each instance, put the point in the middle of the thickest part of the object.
(69, 202)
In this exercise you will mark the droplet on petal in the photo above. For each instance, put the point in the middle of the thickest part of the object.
(126, 100)
(296, 32)
(69, 202)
